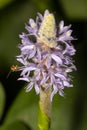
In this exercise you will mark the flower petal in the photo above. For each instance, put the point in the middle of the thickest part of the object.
(46, 12)
(55, 90)
(60, 76)
(29, 87)
(57, 59)
(21, 60)
(27, 70)
(67, 84)
(37, 89)
(32, 23)
(32, 54)
(48, 62)
(27, 47)
(24, 79)
(38, 54)
(43, 79)
(37, 74)
(40, 16)
(61, 93)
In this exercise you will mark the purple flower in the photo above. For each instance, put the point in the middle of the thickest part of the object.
(46, 55)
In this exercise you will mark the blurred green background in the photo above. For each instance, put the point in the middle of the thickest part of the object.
(19, 110)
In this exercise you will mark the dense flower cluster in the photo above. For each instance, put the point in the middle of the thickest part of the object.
(46, 55)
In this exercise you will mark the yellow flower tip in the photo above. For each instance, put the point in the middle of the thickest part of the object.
(47, 31)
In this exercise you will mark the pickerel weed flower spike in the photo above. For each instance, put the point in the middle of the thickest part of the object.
(46, 55)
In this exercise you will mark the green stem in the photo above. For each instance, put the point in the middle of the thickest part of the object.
(44, 117)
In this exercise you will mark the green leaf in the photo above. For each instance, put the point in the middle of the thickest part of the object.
(83, 124)
(24, 109)
(62, 110)
(4, 3)
(75, 9)
(15, 126)
(2, 100)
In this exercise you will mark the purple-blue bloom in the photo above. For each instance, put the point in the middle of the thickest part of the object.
(46, 55)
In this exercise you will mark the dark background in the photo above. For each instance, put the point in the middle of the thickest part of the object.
(18, 110)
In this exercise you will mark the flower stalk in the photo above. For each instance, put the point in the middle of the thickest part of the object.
(44, 117)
